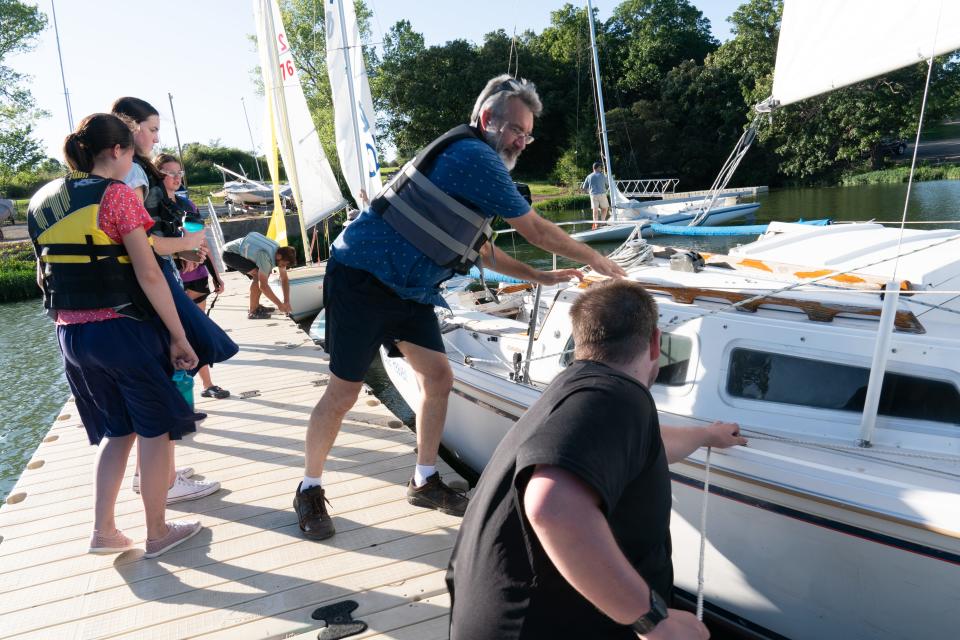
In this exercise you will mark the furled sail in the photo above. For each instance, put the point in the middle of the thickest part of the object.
(315, 189)
(828, 44)
(352, 104)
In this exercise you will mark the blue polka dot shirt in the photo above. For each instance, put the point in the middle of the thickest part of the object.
(470, 171)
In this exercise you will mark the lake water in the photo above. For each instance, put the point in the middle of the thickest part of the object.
(33, 387)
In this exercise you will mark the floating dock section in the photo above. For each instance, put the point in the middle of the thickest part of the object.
(249, 573)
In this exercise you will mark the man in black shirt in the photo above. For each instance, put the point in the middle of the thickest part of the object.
(568, 533)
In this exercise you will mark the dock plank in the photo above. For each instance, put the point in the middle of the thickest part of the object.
(249, 574)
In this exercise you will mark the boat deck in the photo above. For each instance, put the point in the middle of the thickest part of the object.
(249, 573)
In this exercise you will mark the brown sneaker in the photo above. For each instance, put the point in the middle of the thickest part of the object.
(434, 494)
(311, 508)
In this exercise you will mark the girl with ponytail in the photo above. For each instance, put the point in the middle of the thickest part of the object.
(119, 331)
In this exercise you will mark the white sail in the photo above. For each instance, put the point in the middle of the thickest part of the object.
(315, 189)
(828, 44)
(352, 104)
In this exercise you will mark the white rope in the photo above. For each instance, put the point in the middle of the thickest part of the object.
(916, 143)
(703, 534)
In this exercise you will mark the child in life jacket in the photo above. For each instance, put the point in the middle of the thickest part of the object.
(117, 326)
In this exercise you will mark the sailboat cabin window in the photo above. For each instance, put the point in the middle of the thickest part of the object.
(775, 377)
(675, 354)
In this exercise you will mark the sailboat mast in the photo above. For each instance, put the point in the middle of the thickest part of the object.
(63, 77)
(176, 131)
(353, 99)
(273, 91)
(600, 110)
(253, 145)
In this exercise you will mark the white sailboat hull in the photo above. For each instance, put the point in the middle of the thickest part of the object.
(780, 560)
(809, 535)
(306, 290)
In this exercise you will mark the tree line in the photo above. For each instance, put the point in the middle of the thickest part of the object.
(676, 99)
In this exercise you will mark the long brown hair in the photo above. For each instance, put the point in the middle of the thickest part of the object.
(138, 111)
(94, 134)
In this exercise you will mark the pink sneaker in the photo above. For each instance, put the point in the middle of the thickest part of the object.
(114, 542)
(178, 531)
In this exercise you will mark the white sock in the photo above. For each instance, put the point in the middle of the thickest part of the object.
(421, 473)
(309, 483)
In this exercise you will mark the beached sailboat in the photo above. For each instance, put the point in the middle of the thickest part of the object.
(842, 517)
(292, 131)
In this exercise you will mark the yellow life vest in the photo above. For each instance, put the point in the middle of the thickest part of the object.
(82, 267)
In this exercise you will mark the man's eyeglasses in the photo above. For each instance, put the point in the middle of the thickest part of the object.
(173, 174)
(518, 132)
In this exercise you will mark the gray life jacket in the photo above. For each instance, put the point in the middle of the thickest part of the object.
(444, 229)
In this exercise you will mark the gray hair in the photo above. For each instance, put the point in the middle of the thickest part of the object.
(497, 94)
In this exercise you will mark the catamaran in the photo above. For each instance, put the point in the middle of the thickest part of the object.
(837, 350)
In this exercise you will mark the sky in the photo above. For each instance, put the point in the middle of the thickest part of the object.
(200, 52)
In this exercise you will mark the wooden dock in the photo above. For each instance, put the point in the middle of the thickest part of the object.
(249, 573)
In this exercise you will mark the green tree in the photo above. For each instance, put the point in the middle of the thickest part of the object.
(20, 24)
(198, 161)
(820, 137)
(650, 37)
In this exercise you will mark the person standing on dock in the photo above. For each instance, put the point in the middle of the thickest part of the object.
(209, 341)
(255, 255)
(568, 532)
(117, 324)
(383, 279)
(596, 185)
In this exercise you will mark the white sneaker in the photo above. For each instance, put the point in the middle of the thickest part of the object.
(184, 489)
(185, 472)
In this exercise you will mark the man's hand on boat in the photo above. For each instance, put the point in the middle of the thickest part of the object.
(724, 434)
(558, 276)
(607, 267)
(679, 625)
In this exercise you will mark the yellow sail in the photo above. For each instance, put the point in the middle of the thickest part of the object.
(278, 225)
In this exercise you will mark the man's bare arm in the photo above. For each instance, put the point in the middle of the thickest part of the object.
(265, 289)
(550, 237)
(680, 442)
(501, 262)
(565, 514)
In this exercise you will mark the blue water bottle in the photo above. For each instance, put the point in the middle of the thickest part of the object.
(184, 385)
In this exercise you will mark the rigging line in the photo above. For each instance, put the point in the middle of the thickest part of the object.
(860, 451)
(916, 143)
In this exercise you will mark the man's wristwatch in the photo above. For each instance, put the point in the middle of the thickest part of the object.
(657, 614)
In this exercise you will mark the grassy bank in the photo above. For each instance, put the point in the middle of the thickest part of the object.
(902, 173)
(18, 272)
(563, 202)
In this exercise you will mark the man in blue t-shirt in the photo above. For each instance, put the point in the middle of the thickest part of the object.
(379, 288)
(596, 185)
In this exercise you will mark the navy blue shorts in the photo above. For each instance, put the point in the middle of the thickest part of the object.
(362, 313)
(120, 374)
